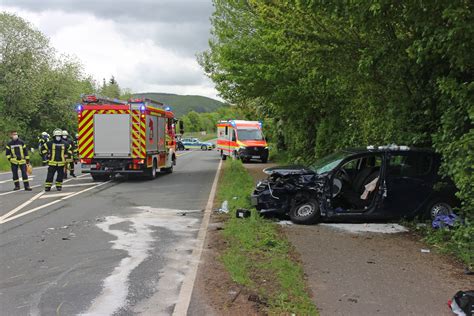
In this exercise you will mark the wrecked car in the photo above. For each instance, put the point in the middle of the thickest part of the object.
(370, 184)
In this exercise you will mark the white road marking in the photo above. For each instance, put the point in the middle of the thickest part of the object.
(39, 185)
(35, 168)
(369, 228)
(11, 180)
(21, 206)
(184, 299)
(47, 196)
(51, 203)
(79, 185)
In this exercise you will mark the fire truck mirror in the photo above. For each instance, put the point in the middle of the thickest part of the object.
(181, 127)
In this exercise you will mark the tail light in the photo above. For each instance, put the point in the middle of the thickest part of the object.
(139, 161)
(86, 161)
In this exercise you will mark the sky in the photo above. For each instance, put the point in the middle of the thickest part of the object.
(147, 45)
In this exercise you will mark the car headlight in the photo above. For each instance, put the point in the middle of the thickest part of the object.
(267, 147)
(242, 148)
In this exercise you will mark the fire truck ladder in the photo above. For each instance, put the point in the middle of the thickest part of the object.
(96, 99)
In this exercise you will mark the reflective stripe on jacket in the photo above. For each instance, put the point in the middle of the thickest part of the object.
(17, 152)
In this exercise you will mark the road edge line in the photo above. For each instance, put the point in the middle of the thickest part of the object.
(186, 291)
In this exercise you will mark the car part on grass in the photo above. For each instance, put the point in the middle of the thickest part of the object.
(445, 221)
(242, 213)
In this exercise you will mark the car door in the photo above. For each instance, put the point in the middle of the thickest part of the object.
(409, 182)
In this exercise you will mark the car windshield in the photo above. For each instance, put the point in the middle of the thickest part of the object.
(328, 163)
(250, 134)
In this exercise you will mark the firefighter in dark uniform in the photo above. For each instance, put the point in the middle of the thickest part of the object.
(17, 155)
(57, 150)
(69, 158)
(43, 139)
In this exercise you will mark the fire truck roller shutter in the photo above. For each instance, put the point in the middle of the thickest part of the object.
(112, 135)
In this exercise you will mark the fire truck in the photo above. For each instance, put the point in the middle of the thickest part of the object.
(128, 138)
(242, 140)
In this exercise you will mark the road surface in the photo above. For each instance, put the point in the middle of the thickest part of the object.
(111, 248)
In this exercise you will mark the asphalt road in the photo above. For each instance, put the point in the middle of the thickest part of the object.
(117, 247)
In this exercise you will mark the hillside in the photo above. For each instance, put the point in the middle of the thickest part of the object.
(182, 104)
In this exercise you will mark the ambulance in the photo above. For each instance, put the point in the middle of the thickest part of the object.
(135, 137)
(242, 140)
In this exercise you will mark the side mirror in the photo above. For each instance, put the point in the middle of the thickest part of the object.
(181, 127)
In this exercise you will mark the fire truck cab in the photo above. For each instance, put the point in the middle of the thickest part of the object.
(119, 137)
(242, 139)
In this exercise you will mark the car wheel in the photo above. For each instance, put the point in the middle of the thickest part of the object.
(204, 147)
(305, 212)
(265, 160)
(223, 157)
(439, 207)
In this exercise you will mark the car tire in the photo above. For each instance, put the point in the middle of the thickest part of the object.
(438, 206)
(265, 160)
(100, 177)
(203, 147)
(305, 212)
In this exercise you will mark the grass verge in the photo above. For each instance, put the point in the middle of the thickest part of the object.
(35, 160)
(259, 256)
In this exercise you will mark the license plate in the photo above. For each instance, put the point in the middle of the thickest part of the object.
(256, 157)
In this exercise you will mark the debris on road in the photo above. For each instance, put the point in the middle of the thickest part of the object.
(445, 221)
(425, 251)
(462, 303)
(285, 223)
(369, 228)
(181, 213)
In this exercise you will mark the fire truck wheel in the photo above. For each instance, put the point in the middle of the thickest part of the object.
(167, 170)
(151, 172)
(100, 177)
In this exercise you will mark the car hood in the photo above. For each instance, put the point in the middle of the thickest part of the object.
(253, 143)
(285, 170)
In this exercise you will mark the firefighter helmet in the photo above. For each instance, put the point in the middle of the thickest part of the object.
(57, 132)
(65, 133)
(44, 134)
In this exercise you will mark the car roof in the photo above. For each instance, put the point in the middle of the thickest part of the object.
(390, 148)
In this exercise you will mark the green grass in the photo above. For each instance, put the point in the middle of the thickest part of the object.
(35, 160)
(259, 256)
(279, 157)
(208, 136)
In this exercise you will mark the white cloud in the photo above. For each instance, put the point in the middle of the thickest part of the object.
(142, 54)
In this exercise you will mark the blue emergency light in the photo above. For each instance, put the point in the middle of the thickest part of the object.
(142, 107)
(79, 107)
(167, 108)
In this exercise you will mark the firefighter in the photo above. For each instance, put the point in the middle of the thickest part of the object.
(57, 151)
(43, 139)
(17, 155)
(69, 158)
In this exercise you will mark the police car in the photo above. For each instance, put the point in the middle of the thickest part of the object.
(195, 143)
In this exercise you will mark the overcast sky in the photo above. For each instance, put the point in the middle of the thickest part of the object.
(148, 45)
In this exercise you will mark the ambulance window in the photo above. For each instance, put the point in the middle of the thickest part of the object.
(227, 130)
(233, 136)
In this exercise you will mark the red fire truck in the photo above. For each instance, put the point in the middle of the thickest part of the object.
(119, 137)
(241, 139)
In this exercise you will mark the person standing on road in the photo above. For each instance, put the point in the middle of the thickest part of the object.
(43, 139)
(69, 158)
(57, 150)
(17, 155)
